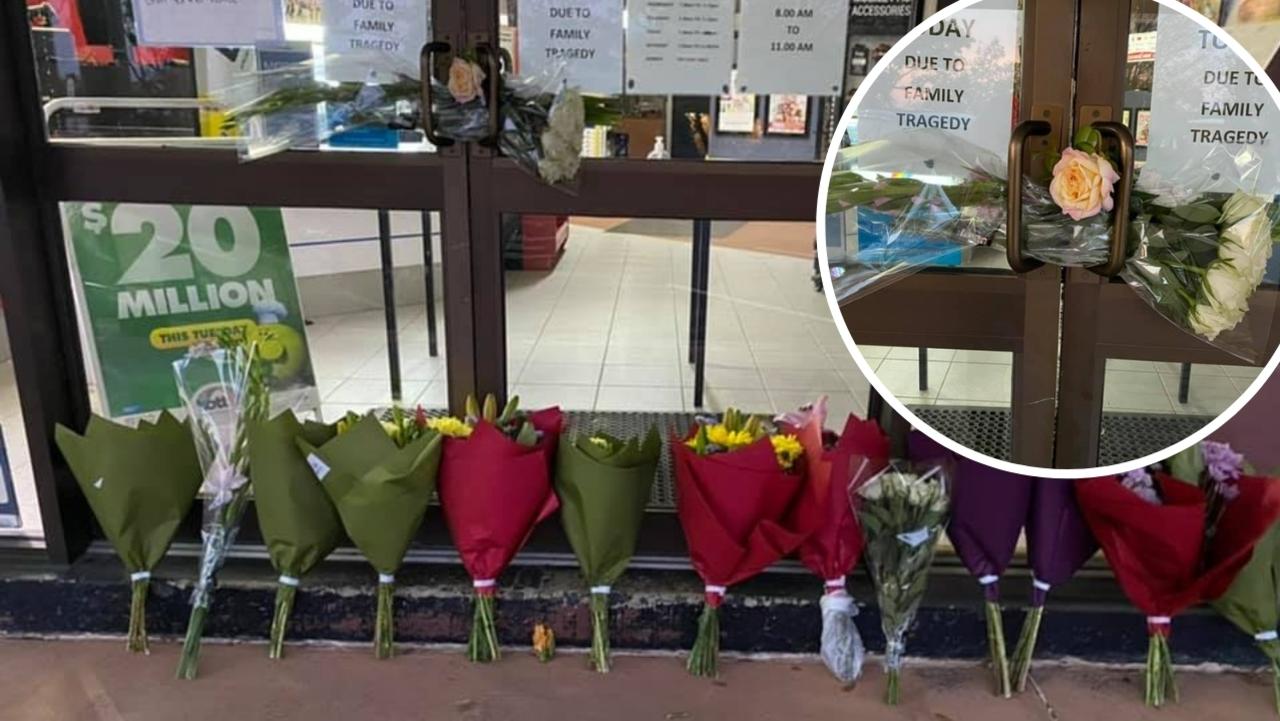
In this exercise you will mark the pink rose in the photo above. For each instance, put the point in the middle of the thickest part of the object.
(466, 80)
(1083, 184)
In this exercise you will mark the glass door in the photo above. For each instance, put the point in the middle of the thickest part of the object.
(1129, 377)
(968, 345)
(678, 273)
(1072, 367)
(122, 181)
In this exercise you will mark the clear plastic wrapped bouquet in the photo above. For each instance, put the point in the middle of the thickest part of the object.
(903, 511)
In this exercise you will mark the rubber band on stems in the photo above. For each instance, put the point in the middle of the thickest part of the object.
(1024, 652)
(704, 658)
(995, 636)
(1160, 684)
(600, 650)
(482, 647)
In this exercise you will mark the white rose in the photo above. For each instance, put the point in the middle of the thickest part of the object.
(1227, 287)
(1206, 322)
(1240, 206)
(872, 491)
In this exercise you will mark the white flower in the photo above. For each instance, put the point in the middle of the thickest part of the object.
(1241, 206)
(872, 491)
(1209, 319)
(1227, 287)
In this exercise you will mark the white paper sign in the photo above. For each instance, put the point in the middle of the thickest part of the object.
(792, 46)
(1214, 128)
(679, 47)
(382, 37)
(583, 35)
(957, 78)
(208, 23)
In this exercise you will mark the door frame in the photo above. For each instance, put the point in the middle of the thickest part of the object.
(1104, 319)
(992, 310)
(37, 173)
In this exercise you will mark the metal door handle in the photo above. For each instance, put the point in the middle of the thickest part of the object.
(1018, 260)
(493, 76)
(1123, 196)
(426, 66)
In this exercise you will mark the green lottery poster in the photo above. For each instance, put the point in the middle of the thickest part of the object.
(155, 279)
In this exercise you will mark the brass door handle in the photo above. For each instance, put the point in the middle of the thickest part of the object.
(426, 67)
(1014, 254)
(1123, 196)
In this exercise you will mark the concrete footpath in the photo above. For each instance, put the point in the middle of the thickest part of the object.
(97, 680)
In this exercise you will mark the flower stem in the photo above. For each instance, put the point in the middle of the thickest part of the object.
(996, 649)
(704, 659)
(189, 662)
(384, 622)
(1026, 648)
(1160, 684)
(138, 617)
(280, 619)
(483, 645)
(893, 687)
(600, 632)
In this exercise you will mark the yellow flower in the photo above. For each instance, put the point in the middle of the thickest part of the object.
(450, 426)
(392, 430)
(598, 441)
(787, 449)
(727, 439)
(544, 642)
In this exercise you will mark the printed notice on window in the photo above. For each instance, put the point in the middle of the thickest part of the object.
(208, 23)
(955, 81)
(679, 47)
(374, 40)
(792, 46)
(584, 37)
(1213, 125)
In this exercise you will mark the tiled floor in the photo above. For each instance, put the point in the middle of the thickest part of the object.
(608, 330)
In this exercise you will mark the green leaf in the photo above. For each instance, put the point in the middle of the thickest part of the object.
(1198, 213)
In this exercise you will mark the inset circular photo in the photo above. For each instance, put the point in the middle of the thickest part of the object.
(1057, 257)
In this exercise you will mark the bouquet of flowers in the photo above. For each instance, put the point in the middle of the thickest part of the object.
(223, 388)
(380, 476)
(140, 483)
(1253, 600)
(495, 487)
(604, 483)
(1058, 544)
(298, 521)
(542, 117)
(903, 510)
(1196, 257)
(736, 481)
(988, 509)
(1200, 262)
(1174, 544)
(832, 464)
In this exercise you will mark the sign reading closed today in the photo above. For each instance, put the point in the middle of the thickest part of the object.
(581, 37)
(957, 78)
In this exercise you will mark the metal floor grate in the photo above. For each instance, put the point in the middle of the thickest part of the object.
(1125, 436)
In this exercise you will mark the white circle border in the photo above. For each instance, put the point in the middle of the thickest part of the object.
(869, 373)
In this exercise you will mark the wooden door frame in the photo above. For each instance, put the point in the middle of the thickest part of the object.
(975, 310)
(1105, 319)
(36, 174)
